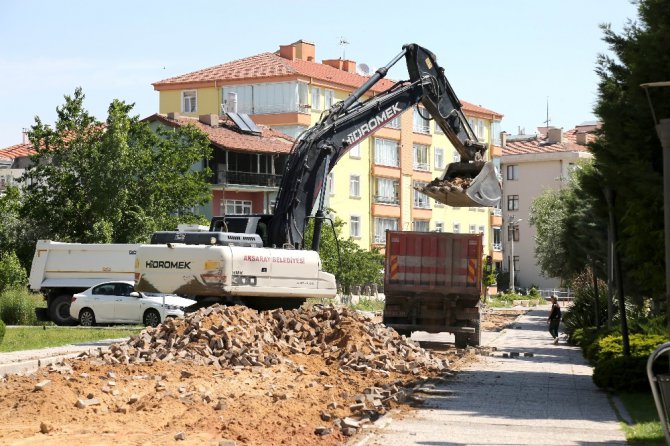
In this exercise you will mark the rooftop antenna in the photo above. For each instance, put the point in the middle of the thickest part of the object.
(548, 120)
(343, 42)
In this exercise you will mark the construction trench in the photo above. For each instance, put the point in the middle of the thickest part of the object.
(231, 376)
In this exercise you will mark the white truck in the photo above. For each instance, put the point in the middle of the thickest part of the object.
(60, 270)
(232, 268)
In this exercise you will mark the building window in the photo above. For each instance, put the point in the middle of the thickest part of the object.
(331, 183)
(355, 226)
(495, 133)
(481, 229)
(421, 157)
(513, 231)
(421, 124)
(355, 151)
(439, 226)
(439, 158)
(317, 105)
(516, 264)
(237, 207)
(456, 156)
(189, 102)
(420, 200)
(480, 131)
(382, 225)
(497, 239)
(329, 98)
(512, 202)
(386, 152)
(513, 172)
(457, 228)
(268, 98)
(393, 123)
(387, 191)
(421, 225)
(354, 186)
(473, 229)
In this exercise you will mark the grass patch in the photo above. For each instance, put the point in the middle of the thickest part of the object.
(365, 304)
(17, 306)
(28, 338)
(646, 430)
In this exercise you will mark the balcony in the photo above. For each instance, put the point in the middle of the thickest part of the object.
(383, 199)
(497, 212)
(228, 177)
(497, 246)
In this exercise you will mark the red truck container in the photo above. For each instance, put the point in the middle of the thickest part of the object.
(433, 283)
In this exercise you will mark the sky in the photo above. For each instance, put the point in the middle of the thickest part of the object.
(513, 57)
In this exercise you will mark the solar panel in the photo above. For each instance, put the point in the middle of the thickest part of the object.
(251, 124)
(244, 123)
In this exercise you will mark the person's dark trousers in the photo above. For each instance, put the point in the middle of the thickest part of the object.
(553, 327)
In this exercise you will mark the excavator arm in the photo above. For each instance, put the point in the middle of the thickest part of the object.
(470, 182)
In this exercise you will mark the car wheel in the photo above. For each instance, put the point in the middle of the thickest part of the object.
(151, 317)
(86, 317)
(59, 310)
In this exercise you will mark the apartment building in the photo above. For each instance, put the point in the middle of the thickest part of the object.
(13, 162)
(246, 164)
(372, 186)
(532, 164)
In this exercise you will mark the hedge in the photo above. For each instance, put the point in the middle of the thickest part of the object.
(2, 331)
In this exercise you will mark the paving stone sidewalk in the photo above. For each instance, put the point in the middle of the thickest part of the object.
(546, 399)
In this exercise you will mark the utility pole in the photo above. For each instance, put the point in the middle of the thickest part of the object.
(512, 224)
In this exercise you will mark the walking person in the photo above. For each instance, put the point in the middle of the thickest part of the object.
(554, 318)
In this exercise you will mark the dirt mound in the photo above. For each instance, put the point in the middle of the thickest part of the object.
(224, 336)
(296, 377)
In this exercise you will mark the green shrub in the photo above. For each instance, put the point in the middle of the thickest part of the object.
(2, 331)
(12, 274)
(534, 293)
(640, 345)
(581, 314)
(622, 373)
(17, 307)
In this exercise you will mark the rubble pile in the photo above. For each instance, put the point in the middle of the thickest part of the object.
(458, 184)
(234, 336)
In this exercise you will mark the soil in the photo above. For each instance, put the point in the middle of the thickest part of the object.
(158, 403)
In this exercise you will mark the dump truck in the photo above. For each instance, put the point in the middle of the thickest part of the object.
(433, 283)
(60, 270)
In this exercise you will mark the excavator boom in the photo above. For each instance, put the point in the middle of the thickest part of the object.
(471, 182)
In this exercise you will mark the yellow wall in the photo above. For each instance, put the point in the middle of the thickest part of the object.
(208, 101)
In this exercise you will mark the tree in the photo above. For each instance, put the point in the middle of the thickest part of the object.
(353, 265)
(117, 181)
(628, 153)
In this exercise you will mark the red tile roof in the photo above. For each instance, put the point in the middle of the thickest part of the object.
(227, 136)
(17, 151)
(269, 65)
(480, 111)
(539, 144)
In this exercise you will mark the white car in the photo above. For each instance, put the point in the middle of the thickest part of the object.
(118, 302)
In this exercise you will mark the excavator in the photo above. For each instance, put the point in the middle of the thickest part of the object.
(471, 182)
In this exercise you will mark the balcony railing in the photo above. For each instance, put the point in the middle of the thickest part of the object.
(382, 199)
(421, 166)
(497, 246)
(422, 204)
(380, 238)
(497, 212)
(247, 178)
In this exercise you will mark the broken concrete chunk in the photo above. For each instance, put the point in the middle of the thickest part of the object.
(42, 384)
(81, 404)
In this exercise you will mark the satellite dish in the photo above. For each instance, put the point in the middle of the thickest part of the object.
(363, 69)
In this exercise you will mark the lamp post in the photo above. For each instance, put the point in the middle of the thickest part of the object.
(663, 132)
(513, 222)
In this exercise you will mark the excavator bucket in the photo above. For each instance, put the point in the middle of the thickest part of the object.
(464, 184)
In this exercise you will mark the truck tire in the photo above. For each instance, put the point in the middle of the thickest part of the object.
(476, 338)
(461, 340)
(59, 310)
(151, 318)
(86, 317)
